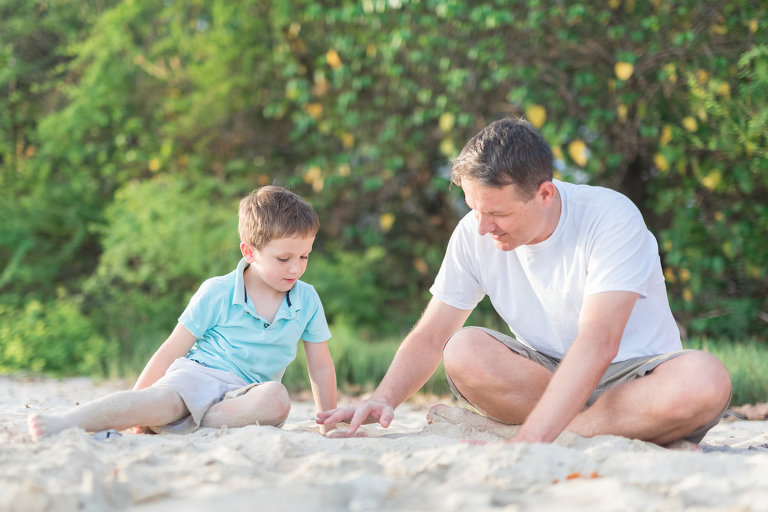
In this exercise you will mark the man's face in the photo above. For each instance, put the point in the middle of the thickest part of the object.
(506, 216)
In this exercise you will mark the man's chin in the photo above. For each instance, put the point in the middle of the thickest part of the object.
(503, 246)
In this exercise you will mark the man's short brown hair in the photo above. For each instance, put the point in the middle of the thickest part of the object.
(273, 212)
(506, 152)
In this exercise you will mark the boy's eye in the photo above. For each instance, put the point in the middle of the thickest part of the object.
(282, 260)
(305, 257)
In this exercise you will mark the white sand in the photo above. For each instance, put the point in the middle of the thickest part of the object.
(410, 466)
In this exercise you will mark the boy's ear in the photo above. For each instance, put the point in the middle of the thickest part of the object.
(248, 250)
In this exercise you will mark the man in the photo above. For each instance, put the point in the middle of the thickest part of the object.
(575, 273)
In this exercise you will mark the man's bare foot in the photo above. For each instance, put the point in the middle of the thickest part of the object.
(458, 416)
(42, 425)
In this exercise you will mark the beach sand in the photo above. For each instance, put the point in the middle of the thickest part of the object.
(410, 466)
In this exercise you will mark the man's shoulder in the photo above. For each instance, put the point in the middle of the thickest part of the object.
(596, 200)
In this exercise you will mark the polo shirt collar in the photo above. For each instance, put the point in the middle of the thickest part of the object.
(240, 296)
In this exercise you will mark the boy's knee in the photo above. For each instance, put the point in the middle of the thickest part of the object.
(279, 400)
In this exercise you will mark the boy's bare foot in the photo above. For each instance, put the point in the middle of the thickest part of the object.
(42, 425)
(459, 416)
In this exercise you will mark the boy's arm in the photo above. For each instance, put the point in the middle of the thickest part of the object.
(177, 345)
(322, 377)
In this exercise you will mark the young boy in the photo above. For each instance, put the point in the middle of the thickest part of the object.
(223, 362)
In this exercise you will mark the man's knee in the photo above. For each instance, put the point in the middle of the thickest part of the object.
(703, 382)
(457, 353)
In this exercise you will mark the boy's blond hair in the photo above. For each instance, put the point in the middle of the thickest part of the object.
(273, 212)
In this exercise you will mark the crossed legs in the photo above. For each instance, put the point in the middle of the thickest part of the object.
(678, 397)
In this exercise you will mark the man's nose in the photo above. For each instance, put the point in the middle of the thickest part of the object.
(484, 224)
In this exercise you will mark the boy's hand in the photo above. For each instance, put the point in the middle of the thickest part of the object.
(357, 413)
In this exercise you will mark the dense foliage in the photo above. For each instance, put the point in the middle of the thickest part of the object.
(129, 130)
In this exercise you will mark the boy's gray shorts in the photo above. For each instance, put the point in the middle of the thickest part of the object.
(617, 373)
(200, 387)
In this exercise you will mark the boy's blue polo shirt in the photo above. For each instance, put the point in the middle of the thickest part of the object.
(233, 337)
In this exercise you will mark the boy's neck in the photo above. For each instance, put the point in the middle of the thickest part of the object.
(264, 299)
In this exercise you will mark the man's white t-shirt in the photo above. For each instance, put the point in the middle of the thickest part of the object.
(600, 244)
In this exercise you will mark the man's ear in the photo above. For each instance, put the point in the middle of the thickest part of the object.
(248, 250)
(547, 192)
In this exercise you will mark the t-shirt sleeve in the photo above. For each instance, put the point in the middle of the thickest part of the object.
(623, 254)
(456, 283)
(202, 311)
(317, 330)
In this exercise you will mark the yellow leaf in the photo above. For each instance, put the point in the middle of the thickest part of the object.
(317, 185)
(386, 220)
(447, 147)
(753, 25)
(557, 152)
(623, 70)
(687, 295)
(728, 249)
(621, 112)
(685, 275)
(669, 275)
(446, 121)
(333, 59)
(671, 70)
(666, 135)
(719, 216)
(344, 170)
(702, 76)
(724, 89)
(154, 164)
(667, 245)
(712, 180)
(536, 114)
(314, 109)
(421, 266)
(577, 150)
(313, 173)
(263, 179)
(661, 162)
(690, 124)
(718, 29)
(370, 50)
(347, 140)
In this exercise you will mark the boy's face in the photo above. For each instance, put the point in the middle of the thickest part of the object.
(281, 262)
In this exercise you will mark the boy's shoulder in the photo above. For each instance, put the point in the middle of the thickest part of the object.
(218, 285)
(303, 291)
(305, 296)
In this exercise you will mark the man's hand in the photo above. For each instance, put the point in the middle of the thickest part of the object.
(357, 413)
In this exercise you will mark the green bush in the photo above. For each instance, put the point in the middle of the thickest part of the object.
(52, 337)
(129, 130)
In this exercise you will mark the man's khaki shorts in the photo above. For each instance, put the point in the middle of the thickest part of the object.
(617, 373)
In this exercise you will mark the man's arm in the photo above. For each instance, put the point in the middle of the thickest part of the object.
(415, 361)
(322, 376)
(601, 325)
(177, 345)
